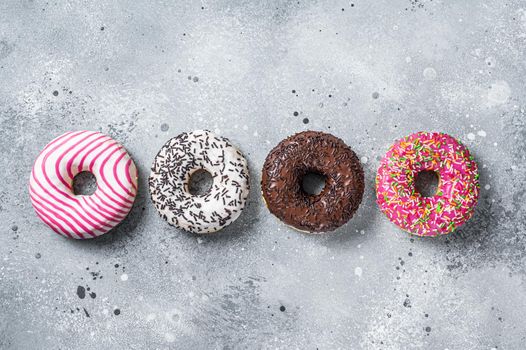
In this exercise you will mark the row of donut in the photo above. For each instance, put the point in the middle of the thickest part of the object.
(81, 216)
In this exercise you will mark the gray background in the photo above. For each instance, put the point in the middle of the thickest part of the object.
(370, 73)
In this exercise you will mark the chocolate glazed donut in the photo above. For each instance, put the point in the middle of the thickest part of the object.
(318, 153)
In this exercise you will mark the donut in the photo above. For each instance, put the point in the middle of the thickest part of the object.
(51, 184)
(170, 176)
(458, 189)
(318, 153)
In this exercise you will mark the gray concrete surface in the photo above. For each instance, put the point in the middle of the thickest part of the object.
(367, 71)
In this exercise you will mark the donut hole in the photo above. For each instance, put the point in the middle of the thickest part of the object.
(426, 183)
(84, 184)
(313, 183)
(200, 182)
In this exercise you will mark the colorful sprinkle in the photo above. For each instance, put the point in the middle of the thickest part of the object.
(457, 193)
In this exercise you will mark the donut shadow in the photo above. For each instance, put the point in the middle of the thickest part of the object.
(124, 231)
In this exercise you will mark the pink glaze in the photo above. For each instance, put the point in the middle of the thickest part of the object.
(457, 193)
(51, 190)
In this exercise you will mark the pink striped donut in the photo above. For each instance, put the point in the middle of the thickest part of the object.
(51, 184)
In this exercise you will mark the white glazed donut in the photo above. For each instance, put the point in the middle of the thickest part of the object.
(169, 180)
(51, 184)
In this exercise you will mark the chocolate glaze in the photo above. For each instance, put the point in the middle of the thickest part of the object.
(312, 152)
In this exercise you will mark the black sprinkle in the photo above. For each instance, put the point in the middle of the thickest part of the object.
(295, 114)
(305, 120)
(117, 312)
(81, 292)
(282, 308)
(172, 165)
(55, 93)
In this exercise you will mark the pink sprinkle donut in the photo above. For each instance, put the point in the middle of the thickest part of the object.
(458, 189)
(51, 184)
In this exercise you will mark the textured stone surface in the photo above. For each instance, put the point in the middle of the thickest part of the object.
(257, 72)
